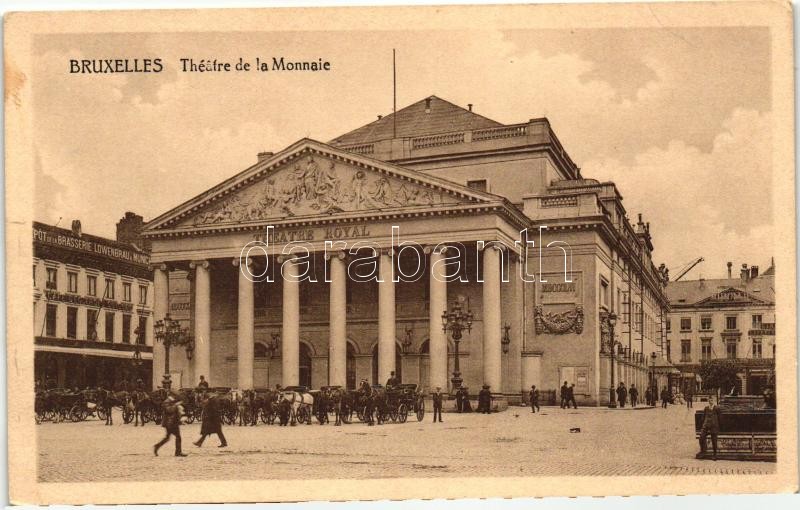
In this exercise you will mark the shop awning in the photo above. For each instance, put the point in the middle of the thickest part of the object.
(102, 353)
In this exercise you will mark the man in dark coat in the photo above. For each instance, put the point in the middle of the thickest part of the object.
(634, 393)
(564, 392)
(392, 381)
(622, 394)
(485, 400)
(203, 384)
(710, 426)
(689, 393)
(466, 407)
(571, 396)
(664, 397)
(534, 398)
(648, 396)
(437, 404)
(460, 400)
(172, 423)
(212, 422)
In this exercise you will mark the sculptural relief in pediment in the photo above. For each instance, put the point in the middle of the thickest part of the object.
(315, 185)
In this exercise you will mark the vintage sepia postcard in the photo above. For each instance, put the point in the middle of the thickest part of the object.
(400, 252)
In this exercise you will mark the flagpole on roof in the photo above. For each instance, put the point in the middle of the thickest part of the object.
(394, 94)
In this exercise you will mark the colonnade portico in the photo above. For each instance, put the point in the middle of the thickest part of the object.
(290, 334)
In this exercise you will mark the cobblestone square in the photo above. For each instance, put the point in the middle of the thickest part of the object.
(512, 443)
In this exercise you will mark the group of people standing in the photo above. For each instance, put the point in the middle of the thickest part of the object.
(623, 393)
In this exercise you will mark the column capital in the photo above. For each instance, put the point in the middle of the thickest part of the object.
(431, 248)
(160, 267)
(194, 264)
(339, 254)
(497, 245)
(237, 261)
(284, 258)
(385, 252)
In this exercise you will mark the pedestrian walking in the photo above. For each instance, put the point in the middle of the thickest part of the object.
(485, 400)
(437, 404)
(212, 422)
(622, 394)
(571, 396)
(664, 397)
(534, 398)
(710, 426)
(564, 392)
(689, 394)
(171, 421)
(634, 394)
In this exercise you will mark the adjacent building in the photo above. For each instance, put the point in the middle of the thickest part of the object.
(542, 257)
(730, 318)
(92, 303)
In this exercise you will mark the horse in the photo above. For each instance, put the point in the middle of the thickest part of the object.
(342, 402)
(107, 400)
(298, 401)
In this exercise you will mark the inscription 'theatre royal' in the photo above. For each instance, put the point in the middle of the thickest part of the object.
(312, 234)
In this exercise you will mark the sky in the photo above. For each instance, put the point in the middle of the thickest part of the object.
(679, 119)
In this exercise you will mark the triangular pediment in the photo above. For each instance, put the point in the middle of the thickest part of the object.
(729, 296)
(313, 179)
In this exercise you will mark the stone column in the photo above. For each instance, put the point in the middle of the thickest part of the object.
(202, 322)
(437, 337)
(386, 318)
(517, 323)
(492, 348)
(245, 330)
(160, 310)
(337, 340)
(290, 338)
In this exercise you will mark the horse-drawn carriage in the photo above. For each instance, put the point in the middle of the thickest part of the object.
(404, 399)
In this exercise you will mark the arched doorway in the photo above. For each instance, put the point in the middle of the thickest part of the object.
(305, 365)
(398, 364)
(351, 367)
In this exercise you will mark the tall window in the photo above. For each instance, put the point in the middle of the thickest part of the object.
(109, 326)
(91, 324)
(706, 346)
(91, 285)
(72, 282)
(52, 278)
(50, 320)
(705, 323)
(72, 322)
(730, 322)
(669, 350)
(142, 294)
(669, 325)
(126, 328)
(731, 349)
(126, 292)
(141, 337)
(757, 321)
(603, 292)
(34, 275)
(686, 350)
(109, 294)
(756, 347)
(686, 323)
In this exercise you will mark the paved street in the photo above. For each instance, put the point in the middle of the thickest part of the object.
(513, 443)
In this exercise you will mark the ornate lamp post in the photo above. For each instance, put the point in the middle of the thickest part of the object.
(456, 321)
(653, 372)
(611, 320)
(272, 347)
(169, 332)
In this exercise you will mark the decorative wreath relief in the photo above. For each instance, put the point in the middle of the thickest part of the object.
(559, 323)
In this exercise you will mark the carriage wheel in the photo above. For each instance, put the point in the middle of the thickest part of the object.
(393, 414)
(127, 415)
(304, 415)
(75, 413)
(198, 414)
(421, 410)
(189, 418)
(402, 413)
(50, 415)
(101, 413)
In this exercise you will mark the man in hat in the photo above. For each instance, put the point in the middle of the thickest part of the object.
(172, 423)
(564, 392)
(485, 400)
(203, 384)
(392, 381)
(437, 404)
(212, 422)
(571, 396)
(534, 398)
(710, 426)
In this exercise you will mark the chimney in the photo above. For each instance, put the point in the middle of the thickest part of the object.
(753, 272)
(380, 117)
(730, 265)
(264, 156)
(76, 228)
(427, 105)
(744, 272)
(129, 230)
(469, 106)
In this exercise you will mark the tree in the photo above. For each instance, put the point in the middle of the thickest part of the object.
(719, 374)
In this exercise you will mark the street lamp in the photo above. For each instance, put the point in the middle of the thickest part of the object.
(272, 346)
(653, 375)
(611, 320)
(506, 340)
(456, 321)
(170, 333)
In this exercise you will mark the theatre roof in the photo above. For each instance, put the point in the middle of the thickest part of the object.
(428, 116)
(691, 292)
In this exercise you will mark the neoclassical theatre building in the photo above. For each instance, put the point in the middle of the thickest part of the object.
(328, 263)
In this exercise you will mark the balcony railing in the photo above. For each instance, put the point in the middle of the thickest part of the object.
(762, 329)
